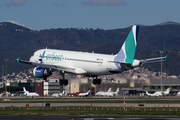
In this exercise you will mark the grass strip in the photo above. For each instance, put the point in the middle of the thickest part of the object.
(91, 111)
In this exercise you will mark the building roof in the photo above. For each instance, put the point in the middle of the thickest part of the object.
(165, 81)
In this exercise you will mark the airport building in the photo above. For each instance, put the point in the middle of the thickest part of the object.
(53, 86)
(155, 85)
(83, 87)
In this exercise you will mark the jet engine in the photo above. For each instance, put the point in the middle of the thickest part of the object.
(136, 63)
(41, 72)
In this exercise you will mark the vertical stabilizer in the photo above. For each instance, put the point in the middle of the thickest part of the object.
(24, 89)
(63, 92)
(147, 93)
(127, 51)
(109, 90)
(167, 91)
(117, 90)
(88, 92)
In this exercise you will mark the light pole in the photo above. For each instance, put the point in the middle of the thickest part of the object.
(2, 71)
(5, 60)
(161, 52)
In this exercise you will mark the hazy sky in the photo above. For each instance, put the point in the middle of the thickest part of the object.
(103, 14)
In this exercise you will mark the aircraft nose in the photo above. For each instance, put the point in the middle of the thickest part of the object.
(31, 59)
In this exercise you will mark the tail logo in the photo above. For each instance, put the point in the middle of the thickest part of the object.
(41, 57)
(127, 51)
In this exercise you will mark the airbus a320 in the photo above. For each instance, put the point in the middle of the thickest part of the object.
(93, 65)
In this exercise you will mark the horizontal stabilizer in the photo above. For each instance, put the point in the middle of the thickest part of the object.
(18, 60)
(159, 59)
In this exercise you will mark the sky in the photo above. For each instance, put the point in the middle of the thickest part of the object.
(102, 14)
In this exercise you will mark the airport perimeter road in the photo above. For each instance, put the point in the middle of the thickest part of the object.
(87, 104)
(66, 99)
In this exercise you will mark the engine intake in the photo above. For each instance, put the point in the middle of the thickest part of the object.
(41, 72)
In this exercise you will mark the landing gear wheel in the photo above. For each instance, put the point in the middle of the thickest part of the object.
(61, 82)
(96, 81)
(65, 82)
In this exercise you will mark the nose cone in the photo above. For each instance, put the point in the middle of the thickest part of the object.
(32, 59)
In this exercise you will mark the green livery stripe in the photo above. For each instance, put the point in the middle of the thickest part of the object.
(43, 54)
(130, 48)
(37, 75)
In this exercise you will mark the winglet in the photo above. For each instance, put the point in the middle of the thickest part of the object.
(165, 58)
(17, 60)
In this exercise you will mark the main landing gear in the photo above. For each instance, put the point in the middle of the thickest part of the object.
(63, 81)
(96, 81)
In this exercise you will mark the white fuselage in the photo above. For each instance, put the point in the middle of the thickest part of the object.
(156, 94)
(102, 93)
(84, 63)
(84, 94)
(57, 95)
(108, 93)
(159, 93)
(111, 94)
(31, 94)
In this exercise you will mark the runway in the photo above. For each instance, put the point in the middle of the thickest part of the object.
(87, 104)
(90, 101)
(85, 118)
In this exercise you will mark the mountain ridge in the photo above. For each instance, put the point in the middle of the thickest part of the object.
(18, 41)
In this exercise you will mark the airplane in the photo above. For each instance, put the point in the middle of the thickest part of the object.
(84, 94)
(156, 94)
(1, 94)
(102, 93)
(167, 91)
(92, 64)
(58, 94)
(178, 94)
(110, 94)
(77, 93)
(30, 94)
(159, 93)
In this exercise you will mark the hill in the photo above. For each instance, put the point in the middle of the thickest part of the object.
(18, 41)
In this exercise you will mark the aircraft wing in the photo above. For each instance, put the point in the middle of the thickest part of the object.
(55, 67)
(158, 59)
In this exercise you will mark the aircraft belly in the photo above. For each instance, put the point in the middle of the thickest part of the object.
(94, 69)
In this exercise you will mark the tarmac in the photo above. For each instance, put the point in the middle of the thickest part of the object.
(87, 104)
(85, 118)
(21, 102)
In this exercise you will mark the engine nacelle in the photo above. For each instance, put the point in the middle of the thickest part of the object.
(136, 63)
(41, 72)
